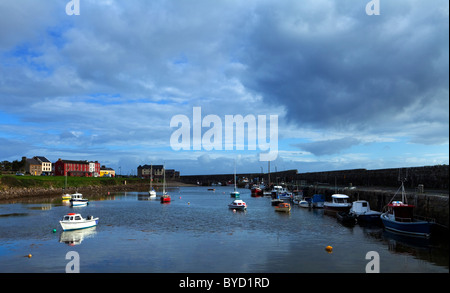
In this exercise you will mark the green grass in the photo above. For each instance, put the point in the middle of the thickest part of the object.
(58, 181)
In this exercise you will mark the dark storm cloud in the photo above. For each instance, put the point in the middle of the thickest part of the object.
(343, 70)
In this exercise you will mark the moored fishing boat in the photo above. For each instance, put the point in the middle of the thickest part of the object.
(338, 204)
(77, 200)
(400, 218)
(361, 210)
(306, 202)
(235, 194)
(346, 218)
(286, 196)
(256, 191)
(283, 207)
(66, 196)
(318, 201)
(165, 198)
(238, 204)
(73, 221)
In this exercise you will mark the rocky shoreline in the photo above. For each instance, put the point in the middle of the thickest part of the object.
(23, 193)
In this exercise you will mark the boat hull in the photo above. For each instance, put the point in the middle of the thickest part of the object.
(282, 210)
(369, 217)
(335, 208)
(78, 203)
(66, 197)
(415, 228)
(256, 192)
(305, 204)
(165, 199)
(238, 205)
(283, 207)
(69, 226)
(318, 201)
(318, 205)
(239, 208)
(346, 218)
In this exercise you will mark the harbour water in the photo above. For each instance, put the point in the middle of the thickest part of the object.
(198, 233)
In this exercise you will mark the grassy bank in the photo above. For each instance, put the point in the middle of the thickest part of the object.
(12, 181)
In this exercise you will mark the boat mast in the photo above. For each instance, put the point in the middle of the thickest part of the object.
(151, 176)
(164, 180)
(234, 174)
(404, 200)
(65, 183)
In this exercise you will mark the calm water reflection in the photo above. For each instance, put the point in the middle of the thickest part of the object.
(197, 232)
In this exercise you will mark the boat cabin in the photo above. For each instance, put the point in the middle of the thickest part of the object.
(339, 198)
(239, 202)
(72, 217)
(401, 212)
(360, 206)
(77, 196)
(284, 205)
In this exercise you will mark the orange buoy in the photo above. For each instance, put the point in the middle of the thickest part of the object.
(329, 249)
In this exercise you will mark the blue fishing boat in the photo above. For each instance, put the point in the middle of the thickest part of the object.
(399, 218)
(318, 200)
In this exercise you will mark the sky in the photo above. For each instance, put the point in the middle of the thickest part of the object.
(349, 90)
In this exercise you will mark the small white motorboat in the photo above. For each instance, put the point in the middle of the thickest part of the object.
(338, 204)
(306, 202)
(66, 196)
(238, 204)
(73, 221)
(363, 213)
(77, 200)
(152, 193)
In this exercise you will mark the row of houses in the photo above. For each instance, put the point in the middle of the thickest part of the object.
(39, 165)
(157, 171)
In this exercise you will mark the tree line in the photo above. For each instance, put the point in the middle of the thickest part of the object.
(13, 166)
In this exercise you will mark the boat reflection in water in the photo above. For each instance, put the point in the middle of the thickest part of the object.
(75, 237)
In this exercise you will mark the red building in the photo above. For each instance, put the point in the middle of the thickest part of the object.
(77, 168)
